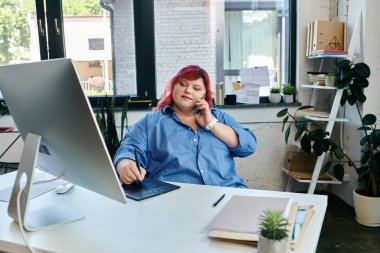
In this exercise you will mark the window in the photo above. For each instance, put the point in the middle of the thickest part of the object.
(255, 35)
(220, 36)
(151, 40)
(96, 44)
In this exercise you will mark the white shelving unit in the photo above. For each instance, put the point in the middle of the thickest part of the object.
(330, 118)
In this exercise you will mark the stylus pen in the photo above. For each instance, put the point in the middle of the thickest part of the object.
(220, 199)
(137, 161)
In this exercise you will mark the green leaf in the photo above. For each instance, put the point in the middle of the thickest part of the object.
(298, 134)
(304, 107)
(346, 74)
(362, 69)
(358, 93)
(338, 152)
(318, 147)
(326, 145)
(282, 113)
(364, 128)
(362, 83)
(284, 122)
(340, 84)
(287, 134)
(344, 97)
(301, 125)
(317, 134)
(325, 168)
(364, 140)
(305, 143)
(369, 119)
(343, 64)
(339, 171)
(351, 99)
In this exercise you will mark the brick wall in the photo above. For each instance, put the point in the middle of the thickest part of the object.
(184, 34)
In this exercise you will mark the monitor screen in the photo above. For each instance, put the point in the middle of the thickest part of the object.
(46, 99)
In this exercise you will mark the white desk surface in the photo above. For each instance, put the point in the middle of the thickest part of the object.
(174, 222)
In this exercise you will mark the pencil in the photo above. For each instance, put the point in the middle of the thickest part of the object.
(217, 202)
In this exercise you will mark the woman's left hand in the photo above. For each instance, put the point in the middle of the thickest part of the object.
(206, 116)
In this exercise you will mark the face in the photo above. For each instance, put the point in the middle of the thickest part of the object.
(186, 92)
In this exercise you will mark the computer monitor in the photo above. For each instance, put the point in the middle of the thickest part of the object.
(61, 136)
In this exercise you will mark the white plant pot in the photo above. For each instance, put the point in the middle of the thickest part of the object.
(288, 98)
(270, 246)
(367, 210)
(274, 97)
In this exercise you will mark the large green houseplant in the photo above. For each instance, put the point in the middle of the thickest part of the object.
(353, 78)
(105, 117)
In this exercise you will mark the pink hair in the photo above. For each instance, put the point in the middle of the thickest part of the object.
(190, 72)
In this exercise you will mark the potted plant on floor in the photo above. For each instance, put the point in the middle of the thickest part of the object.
(288, 91)
(353, 78)
(273, 233)
(105, 117)
(275, 95)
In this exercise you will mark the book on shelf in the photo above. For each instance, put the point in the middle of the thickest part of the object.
(240, 218)
(329, 52)
(303, 217)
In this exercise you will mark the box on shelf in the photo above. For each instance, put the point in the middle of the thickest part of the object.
(299, 161)
(300, 165)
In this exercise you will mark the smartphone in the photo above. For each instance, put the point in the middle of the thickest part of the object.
(197, 110)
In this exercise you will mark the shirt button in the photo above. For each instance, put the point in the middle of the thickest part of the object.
(201, 171)
(195, 139)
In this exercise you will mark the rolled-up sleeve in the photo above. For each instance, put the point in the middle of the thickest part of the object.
(136, 137)
(247, 140)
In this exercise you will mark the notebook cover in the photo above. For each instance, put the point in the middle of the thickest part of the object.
(149, 188)
(242, 213)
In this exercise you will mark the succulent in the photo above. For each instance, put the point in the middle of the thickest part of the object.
(273, 225)
(275, 90)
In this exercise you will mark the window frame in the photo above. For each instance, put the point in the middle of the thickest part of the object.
(145, 38)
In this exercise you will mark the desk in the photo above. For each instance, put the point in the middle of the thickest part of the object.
(173, 222)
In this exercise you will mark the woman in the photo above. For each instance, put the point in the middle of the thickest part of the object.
(183, 140)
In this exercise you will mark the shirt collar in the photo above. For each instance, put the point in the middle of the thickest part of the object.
(167, 108)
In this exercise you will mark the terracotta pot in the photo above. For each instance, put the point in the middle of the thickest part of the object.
(367, 209)
(270, 246)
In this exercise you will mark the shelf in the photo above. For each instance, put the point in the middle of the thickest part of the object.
(319, 116)
(318, 87)
(338, 56)
(332, 181)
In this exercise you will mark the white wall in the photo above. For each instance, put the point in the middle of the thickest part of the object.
(365, 51)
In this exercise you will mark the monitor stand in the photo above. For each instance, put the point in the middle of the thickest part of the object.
(42, 218)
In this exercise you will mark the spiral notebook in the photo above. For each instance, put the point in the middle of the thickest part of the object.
(149, 188)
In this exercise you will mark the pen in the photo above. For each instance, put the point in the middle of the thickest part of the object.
(137, 161)
(220, 199)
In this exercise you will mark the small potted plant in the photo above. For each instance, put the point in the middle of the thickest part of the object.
(275, 95)
(273, 233)
(288, 91)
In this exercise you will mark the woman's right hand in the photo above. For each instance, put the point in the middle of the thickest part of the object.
(128, 171)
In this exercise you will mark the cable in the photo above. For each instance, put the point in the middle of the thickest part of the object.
(49, 180)
(20, 223)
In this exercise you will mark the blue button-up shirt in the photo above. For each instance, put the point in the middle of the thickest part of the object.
(172, 151)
